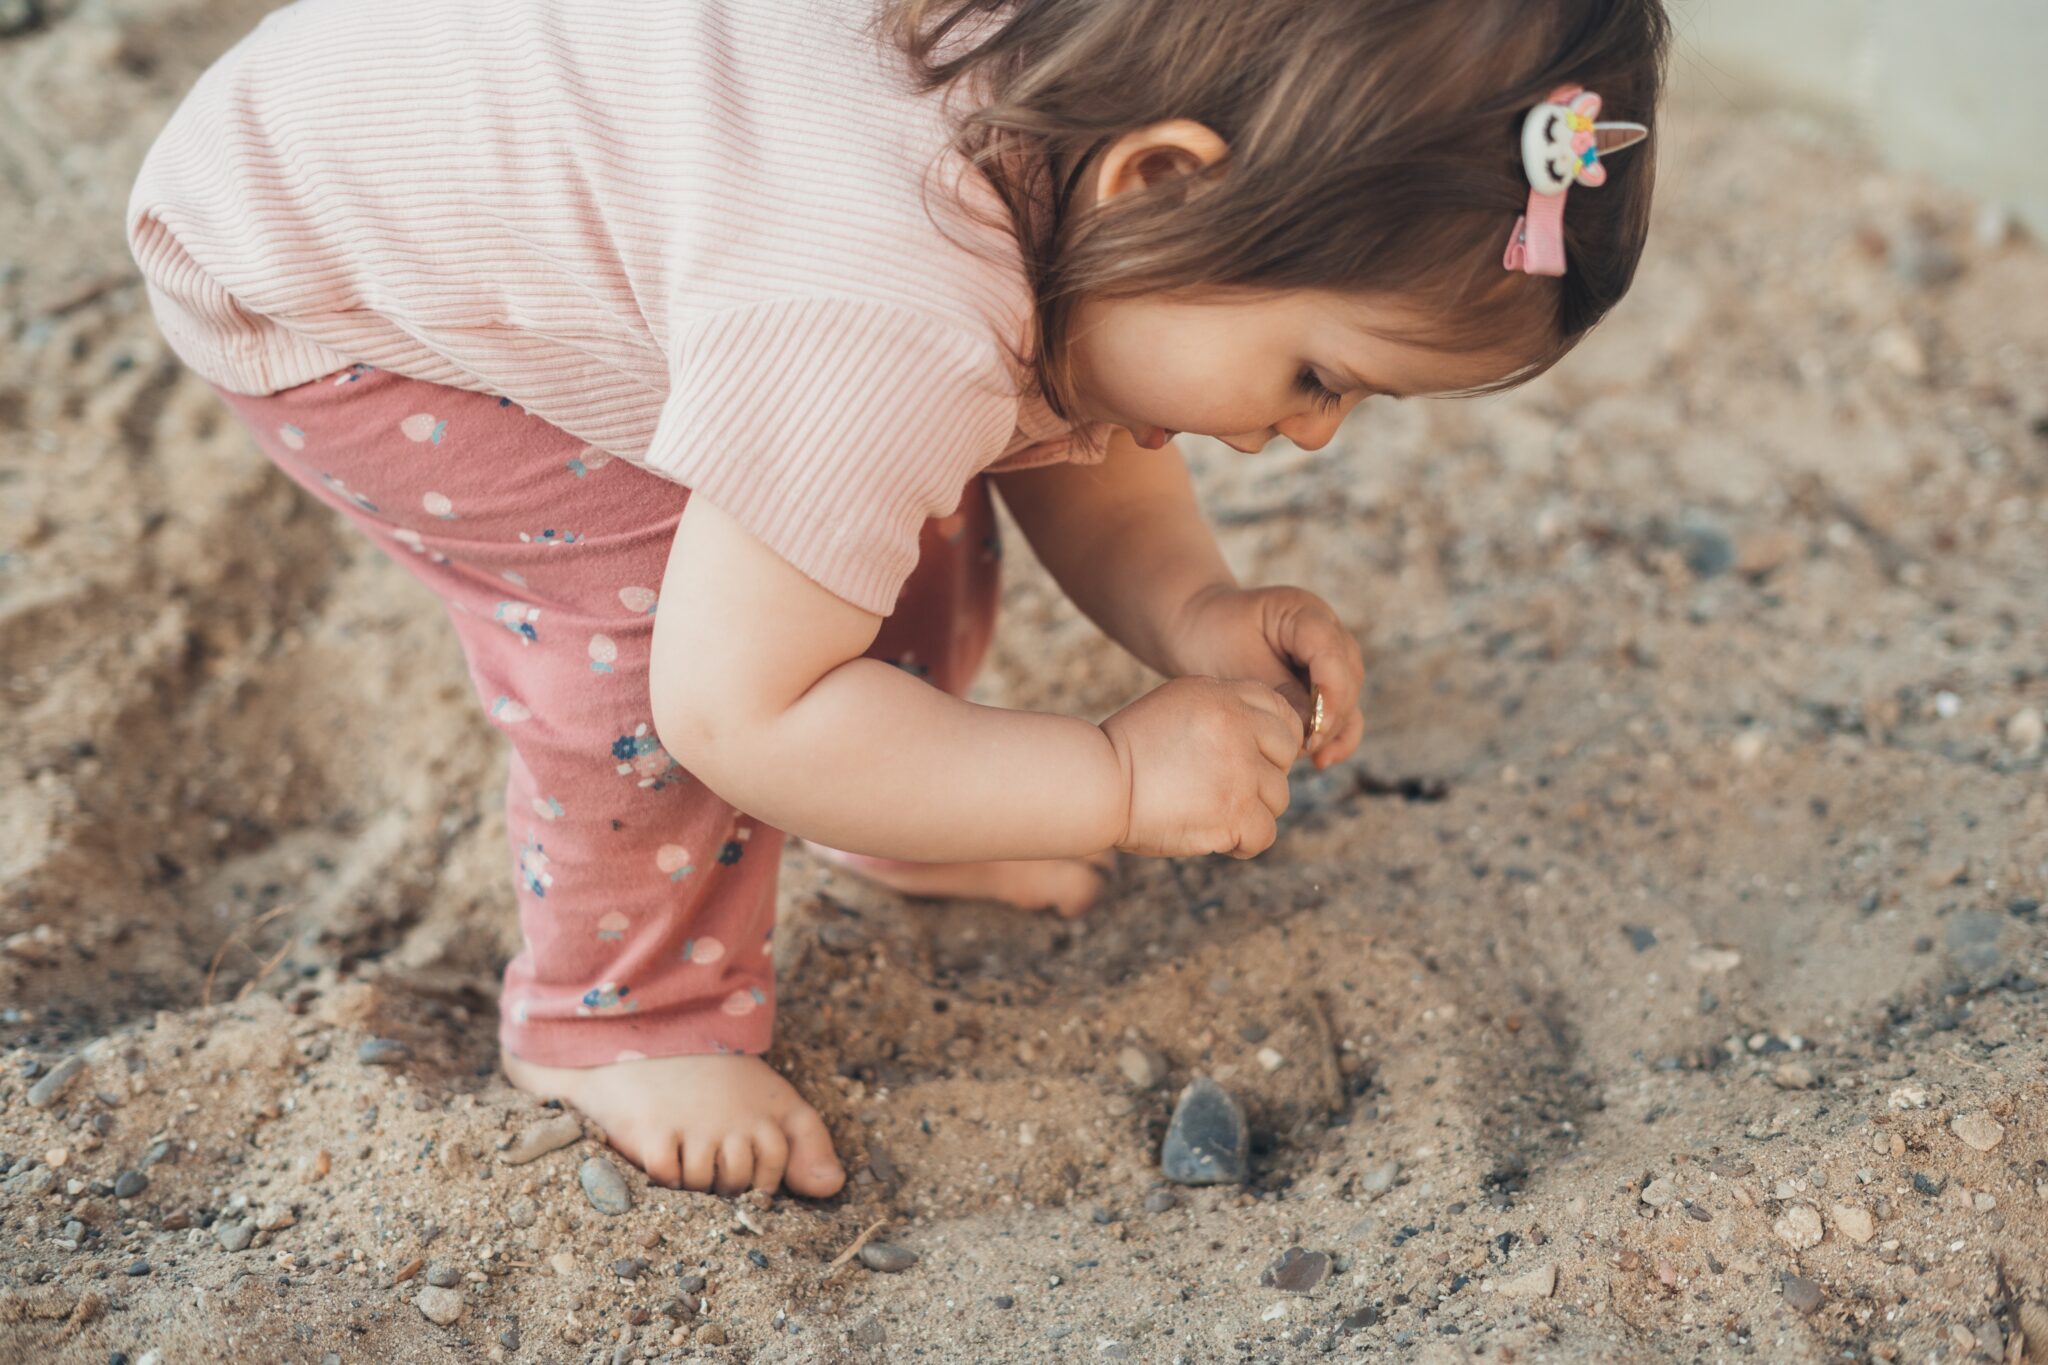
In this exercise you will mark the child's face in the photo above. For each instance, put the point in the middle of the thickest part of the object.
(1239, 370)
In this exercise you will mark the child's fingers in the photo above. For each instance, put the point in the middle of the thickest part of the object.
(1339, 744)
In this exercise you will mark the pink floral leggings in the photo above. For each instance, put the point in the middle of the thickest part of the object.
(646, 903)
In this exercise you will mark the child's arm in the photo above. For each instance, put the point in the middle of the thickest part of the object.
(1126, 540)
(760, 690)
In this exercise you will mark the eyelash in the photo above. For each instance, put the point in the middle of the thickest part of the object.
(1325, 398)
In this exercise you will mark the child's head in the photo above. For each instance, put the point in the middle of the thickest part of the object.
(1223, 203)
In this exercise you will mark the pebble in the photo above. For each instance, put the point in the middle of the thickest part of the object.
(509, 1338)
(1799, 1227)
(711, 1334)
(442, 1275)
(1640, 938)
(128, 1184)
(887, 1258)
(1159, 1201)
(234, 1234)
(1297, 1271)
(1539, 1283)
(438, 1304)
(275, 1216)
(1270, 1059)
(838, 936)
(629, 1267)
(522, 1213)
(382, 1052)
(138, 1268)
(1802, 1294)
(1207, 1140)
(2026, 731)
(536, 1140)
(1979, 1130)
(1003, 1301)
(1794, 1076)
(44, 1092)
(1142, 1066)
(603, 1186)
(1854, 1223)
(1380, 1178)
(1660, 1193)
(562, 1263)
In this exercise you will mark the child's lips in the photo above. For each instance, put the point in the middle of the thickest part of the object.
(1153, 438)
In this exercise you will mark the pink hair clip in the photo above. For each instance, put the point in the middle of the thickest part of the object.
(1560, 144)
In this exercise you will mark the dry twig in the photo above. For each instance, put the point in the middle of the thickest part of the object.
(213, 968)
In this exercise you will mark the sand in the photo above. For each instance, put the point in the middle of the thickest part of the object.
(1662, 981)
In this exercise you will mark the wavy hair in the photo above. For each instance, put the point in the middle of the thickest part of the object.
(1374, 148)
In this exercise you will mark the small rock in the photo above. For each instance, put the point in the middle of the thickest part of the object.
(1380, 1178)
(1977, 1129)
(1799, 1227)
(1909, 1097)
(1640, 938)
(1159, 1201)
(438, 1304)
(2026, 731)
(1365, 1317)
(841, 937)
(314, 1167)
(1660, 1193)
(1539, 1283)
(1713, 961)
(1854, 1223)
(711, 1334)
(1801, 1294)
(138, 1268)
(1142, 1066)
(870, 1333)
(1794, 1076)
(563, 1263)
(536, 1140)
(442, 1275)
(128, 1184)
(1297, 1271)
(887, 1258)
(1271, 1059)
(603, 1186)
(44, 1092)
(275, 1216)
(1003, 1301)
(522, 1213)
(509, 1338)
(234, 1234)
(382, 1052)
(1207, 1140)
(629, 1267)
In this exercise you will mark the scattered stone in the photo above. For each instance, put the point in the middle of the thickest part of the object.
(1539, 1283)
(1640, 938)
(841, 937)
(563, 1263)
(509, 1338)
(314, 1168)
(1801, 1294)
(1207, 1140)
(1794, 1076)
(1909, 1097)
(1978, 1130)
(1660, 1193)
(1380, 1178)
(888, 1258)
(536, 1140)
(1365, 1317)
(1297, 1271)
(128, 1184)
(1713, 961)
(438, 1304)
(1142, 1066)
(870, 1333)
(1854, 1223)
(522, 1213)
(1003, 1301)
(234, 1234)
(604, 1187)
(2027, 731)
(138, 1268)
(1159, 1201)
(1270, 1059)
(442, 1275)
(1799, 1227)
(629, 1267)
(44, 1092)
(382, 1052)
(711, 1334)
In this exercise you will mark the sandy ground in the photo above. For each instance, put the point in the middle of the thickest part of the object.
(1662, 982)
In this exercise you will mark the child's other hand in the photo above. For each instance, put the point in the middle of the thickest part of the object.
(1205, 763)
(1274, 636)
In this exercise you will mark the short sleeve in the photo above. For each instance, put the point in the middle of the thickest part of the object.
(832, 429)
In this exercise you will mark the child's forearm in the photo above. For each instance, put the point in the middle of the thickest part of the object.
(871, 760)
(1125, 540)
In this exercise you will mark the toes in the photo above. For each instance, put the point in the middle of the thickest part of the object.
(771, 1157)
(813, 1168)
(700, 1162)
(660, 1154)
(735, 1163)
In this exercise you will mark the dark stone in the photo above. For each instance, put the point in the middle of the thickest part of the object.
(442, 1275)
(1707, 549)
(1640, 938)
(887, 1258)
(691, 1283)
(44, 1092)
(1927, 1185)
(128, 1184)
(870, 1333)
(628, 1267)
(509, 1338)
(604, 1187)
(1359, 1321)
(139, 1268)
(1206, 1142)
(1159, 1201)
(1802, 1294)
(1003, 1301)
(1253, 1033)
(382, 1052)
(759, 1258)
(1297, 1271)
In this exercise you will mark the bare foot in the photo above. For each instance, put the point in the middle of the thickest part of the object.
(1067, 886)
(722, 1122)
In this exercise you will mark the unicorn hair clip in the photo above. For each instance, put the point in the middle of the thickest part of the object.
(1560, 144)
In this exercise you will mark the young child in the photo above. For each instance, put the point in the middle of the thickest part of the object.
(678, 346)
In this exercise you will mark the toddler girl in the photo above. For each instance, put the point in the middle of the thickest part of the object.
(679, 345)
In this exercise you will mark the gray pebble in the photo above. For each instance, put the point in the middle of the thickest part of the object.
(1142, 1066)
(1207, 1141)
(888, 1259)
(1707, 552)
(509, 1338)
(382, 1052)
(442, 1275)
(1297, 1271)
(44, 1092)
(1159, 1201)
(839, 936)
(604, 1186)
(234, 1234)
(692, 1283)
(1058, 1331)
(1003, 1301)
(128, 1184)
(522, 1213)
(35, 1180)
(536, 1140)
(629, 1267)
(1802, 1294)
(1381, 1178)
(138, 1268)
(438, 1305)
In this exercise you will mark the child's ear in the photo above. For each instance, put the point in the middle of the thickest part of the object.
(1157, 155)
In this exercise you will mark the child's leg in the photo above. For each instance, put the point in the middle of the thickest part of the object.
(646, 903)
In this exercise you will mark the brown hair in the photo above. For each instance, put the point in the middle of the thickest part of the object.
(1374, 148)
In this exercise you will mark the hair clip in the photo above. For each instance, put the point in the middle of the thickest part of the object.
(1560, 144)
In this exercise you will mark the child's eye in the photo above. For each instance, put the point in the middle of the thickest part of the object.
(1324, 396)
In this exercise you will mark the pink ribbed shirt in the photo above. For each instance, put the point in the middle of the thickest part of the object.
(694, 233)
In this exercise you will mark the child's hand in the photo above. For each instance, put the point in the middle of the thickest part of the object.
(1275, 636)
(1206, 765)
